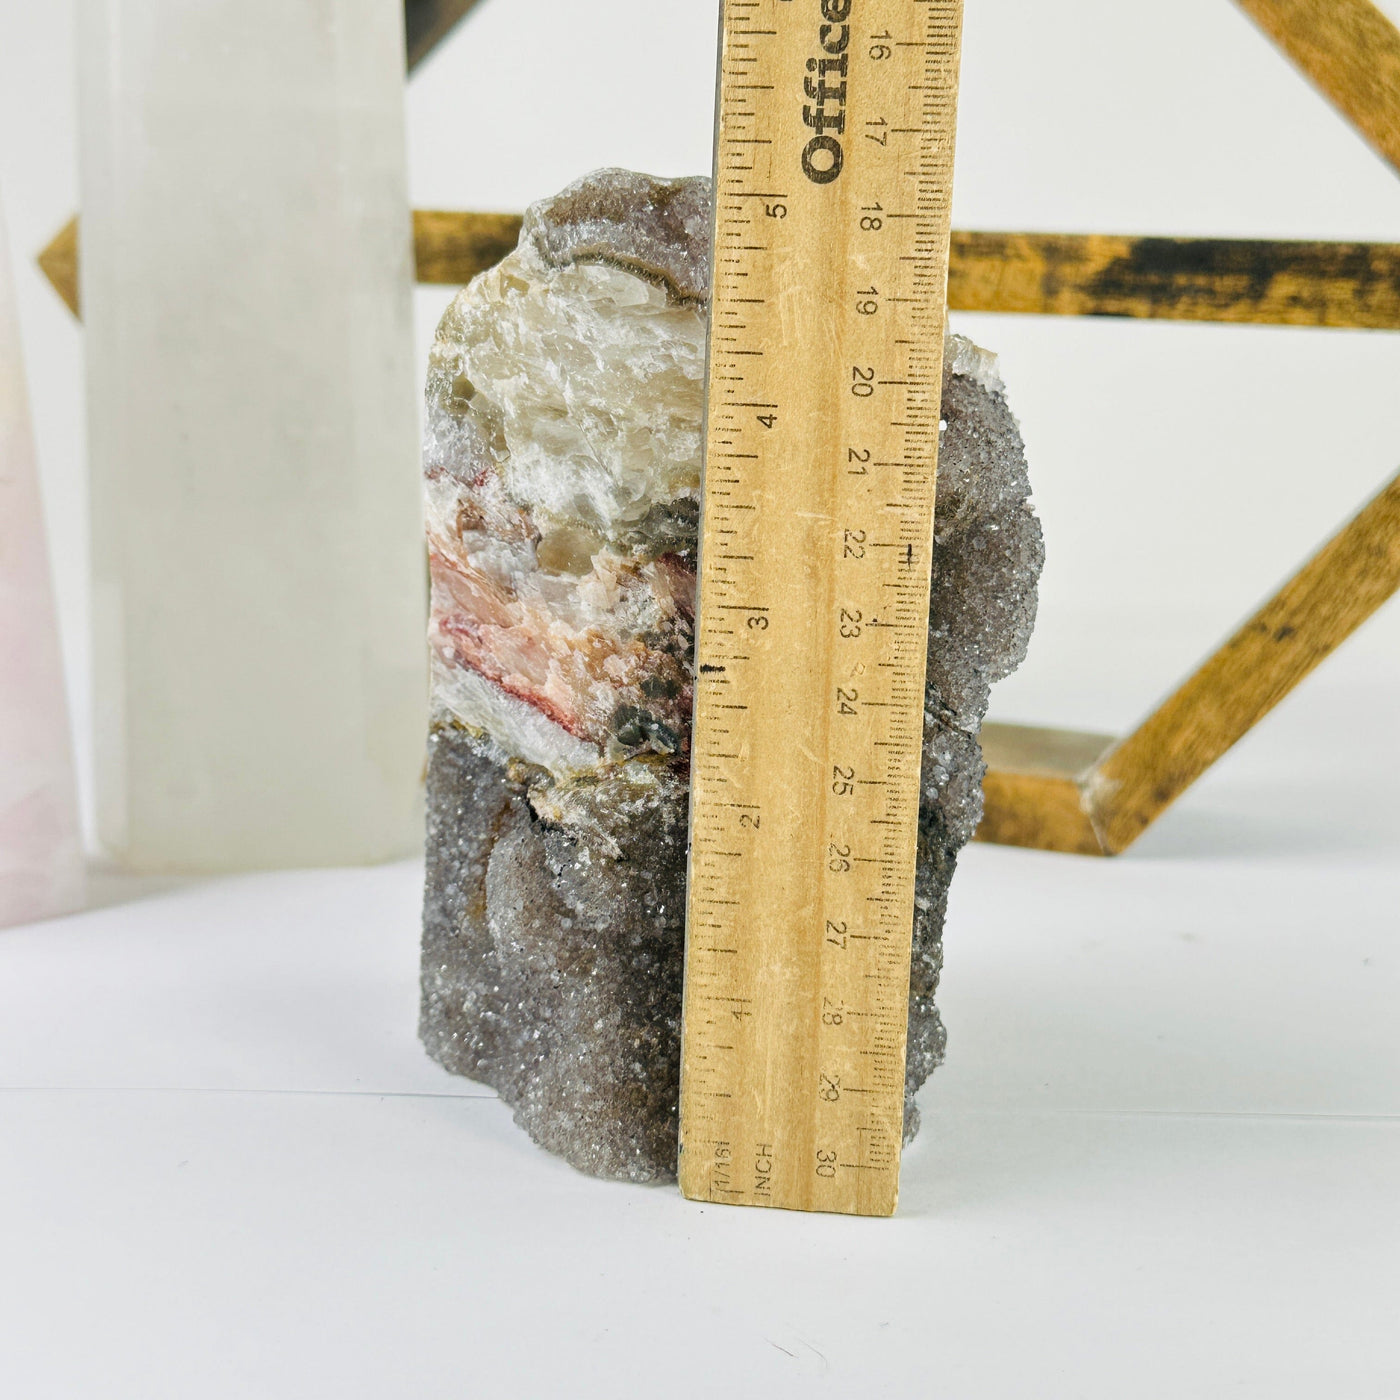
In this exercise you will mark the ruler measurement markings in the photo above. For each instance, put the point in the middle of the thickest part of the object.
(713, 1167)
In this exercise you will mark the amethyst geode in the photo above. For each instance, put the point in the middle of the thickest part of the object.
(564, 407)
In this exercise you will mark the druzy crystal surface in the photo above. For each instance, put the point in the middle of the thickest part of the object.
(562, 461)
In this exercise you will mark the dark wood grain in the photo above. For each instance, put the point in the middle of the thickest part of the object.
(1259, 281)
(1269, 282)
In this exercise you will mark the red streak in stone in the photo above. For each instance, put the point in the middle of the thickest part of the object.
(485, 626)
(468, 651)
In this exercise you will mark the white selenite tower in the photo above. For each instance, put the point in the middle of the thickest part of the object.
(257, 558)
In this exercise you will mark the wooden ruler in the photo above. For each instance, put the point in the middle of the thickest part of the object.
(833, 175)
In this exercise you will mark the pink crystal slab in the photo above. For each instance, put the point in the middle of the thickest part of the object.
(41, 852)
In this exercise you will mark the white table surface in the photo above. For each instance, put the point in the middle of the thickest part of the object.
(1163, 1158)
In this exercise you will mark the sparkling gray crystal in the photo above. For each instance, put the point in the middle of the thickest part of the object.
(563, 469)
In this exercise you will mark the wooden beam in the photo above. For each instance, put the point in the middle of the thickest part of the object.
(1353, 285)
(1312, 615)
(428, 22)
(59, 263)
(1058, 790)
(450, 248)
(1268, 282)
(1033, 791)
(1351, 51)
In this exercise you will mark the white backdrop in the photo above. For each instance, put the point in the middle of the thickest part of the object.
(1182, 471)
(1161, 1158)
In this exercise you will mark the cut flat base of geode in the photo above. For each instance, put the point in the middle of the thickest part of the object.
(565, 401)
